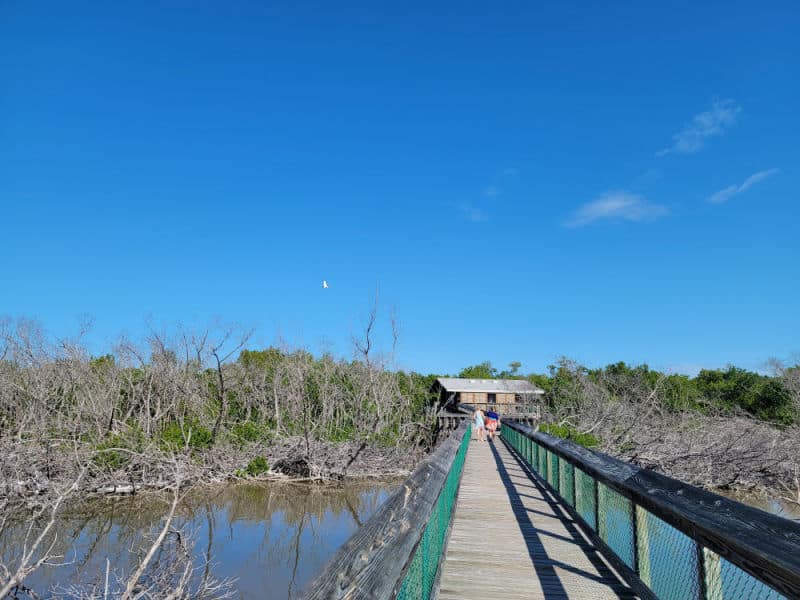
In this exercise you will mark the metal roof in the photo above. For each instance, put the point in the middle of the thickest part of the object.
(500, 386)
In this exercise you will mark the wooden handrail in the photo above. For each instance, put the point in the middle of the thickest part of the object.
(373, 562)
(764, 545)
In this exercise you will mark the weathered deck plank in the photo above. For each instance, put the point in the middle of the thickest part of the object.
(510, 540)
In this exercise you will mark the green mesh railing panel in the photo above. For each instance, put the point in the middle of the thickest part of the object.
(546, 470)
(566, 481)
(726, 581)
(585, 498)
(546, 465)
(542, 462)
(552, 469)
(616, 523)
(667, 558)
(421, 573)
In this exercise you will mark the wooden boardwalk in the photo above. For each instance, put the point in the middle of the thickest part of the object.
(510, 539)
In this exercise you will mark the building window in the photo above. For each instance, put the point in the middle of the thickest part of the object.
(492, 398)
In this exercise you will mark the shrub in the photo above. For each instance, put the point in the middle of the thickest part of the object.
(567, 432)
(340, 434)
(257, 466)
(110, 452)
(173, 437)
(248, 431)
(108, 459)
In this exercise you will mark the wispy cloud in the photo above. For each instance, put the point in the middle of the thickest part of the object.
(472, 213)
(510, 171)
(711, 123)
(620, 205)
(732, 190)
(492, 191)
(648, 177)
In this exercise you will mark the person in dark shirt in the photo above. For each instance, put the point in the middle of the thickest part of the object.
(492, 421)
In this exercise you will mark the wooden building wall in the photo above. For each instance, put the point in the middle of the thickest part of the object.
(483, 398)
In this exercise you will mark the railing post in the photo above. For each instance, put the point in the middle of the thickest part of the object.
(709, 572)
(643, 550)
(635, 539)
(596, 487)
(425, 558)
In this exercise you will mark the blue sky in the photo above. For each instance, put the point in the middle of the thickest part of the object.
(519, 181)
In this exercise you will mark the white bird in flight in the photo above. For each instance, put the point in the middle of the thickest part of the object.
(324, 284)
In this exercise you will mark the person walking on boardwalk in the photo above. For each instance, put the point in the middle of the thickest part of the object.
(479, 423)
(492, 421)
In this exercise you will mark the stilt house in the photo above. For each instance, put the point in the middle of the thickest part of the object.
(504, 396)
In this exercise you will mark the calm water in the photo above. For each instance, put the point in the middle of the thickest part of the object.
(776, 506)
(274, 538)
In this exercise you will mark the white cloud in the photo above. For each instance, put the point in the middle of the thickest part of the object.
(732, 190)
(492, 191)
(648, 177)
(618, 205)
(472, 213)
(707, 124)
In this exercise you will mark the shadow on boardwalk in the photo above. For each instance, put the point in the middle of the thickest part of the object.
(542, 562)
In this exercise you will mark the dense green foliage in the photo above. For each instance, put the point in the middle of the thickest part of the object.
(257, 466)
(191, 434)
(245, 432)
(110, 454)
(729, 390)
(485, 370)
(115, 450)
(568, 432)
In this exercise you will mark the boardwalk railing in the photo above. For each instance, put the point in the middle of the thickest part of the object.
(524, 413)
(530, 408)
(668, 539)
(397, 553)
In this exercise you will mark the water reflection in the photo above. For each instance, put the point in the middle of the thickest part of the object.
(273, 538)
(776, 506)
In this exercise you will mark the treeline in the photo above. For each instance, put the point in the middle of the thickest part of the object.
(774, 398)
(194, 392)
(195, 389)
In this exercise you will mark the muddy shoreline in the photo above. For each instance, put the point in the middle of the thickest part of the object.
(34, 473)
